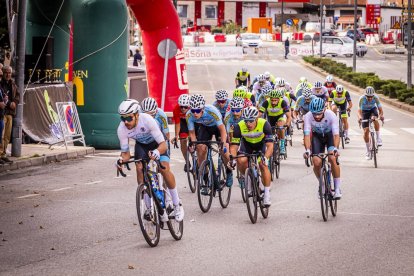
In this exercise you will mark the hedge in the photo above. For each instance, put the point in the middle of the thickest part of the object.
(392, 88)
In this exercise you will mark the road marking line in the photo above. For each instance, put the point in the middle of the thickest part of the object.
(386, 132)
(348, 213)
(352, 132)
(108, 153)
(62, 189)
(409, 130)
(26, 196)
(93, 182)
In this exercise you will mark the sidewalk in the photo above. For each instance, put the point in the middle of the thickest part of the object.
(38, 155)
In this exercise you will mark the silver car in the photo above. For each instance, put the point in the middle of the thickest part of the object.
(247, 40)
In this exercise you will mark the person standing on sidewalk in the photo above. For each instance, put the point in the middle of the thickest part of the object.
(137, 58)
(9, 88)
(287, 44)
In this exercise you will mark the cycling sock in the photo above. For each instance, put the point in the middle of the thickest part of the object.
(337, 184)
(174, 196)
(368, 146)
(346, 133)
(266, 190)
(378, 134)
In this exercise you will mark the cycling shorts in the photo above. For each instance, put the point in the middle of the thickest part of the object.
(343, 108)
(183, 129)
(250, 148)
(367, 114)
(141, 151)
(322, 141)
(206, 133)
(274, 119)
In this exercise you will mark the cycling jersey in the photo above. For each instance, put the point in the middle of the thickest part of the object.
(330, 86)
(323, 93)
(162, 121)
(230, 121)
(256, 137)
(177, 114)
(338, 100)
(329, 123)
(302, 105)
(364, 104)
(211, 117)
(224, 109)
(145, 132)
(257, 87)
(242, 76)
(273, 111)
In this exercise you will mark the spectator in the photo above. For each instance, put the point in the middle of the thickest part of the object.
(9, 88)
(2, 106)
(137, 58)
(287, 44)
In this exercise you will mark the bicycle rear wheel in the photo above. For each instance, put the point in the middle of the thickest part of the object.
(263, 209)
(240, 178)
(205, 188)
(191, 171)
(323, 194)
(271, 167)
(276, 159)
(150, 223)
(176, 228)
(374, 149)
(251, 195)
(225, 193)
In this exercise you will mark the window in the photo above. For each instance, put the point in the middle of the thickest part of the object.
(327, 40)
(182, 11)
(211, 12)
(337, 41)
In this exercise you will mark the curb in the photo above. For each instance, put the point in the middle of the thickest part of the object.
(359, 90)
(46, 159)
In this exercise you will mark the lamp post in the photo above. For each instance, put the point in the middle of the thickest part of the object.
(355, 39)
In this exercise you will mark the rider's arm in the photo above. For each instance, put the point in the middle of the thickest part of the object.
(381, 111)
(223, 133)
(348, 99)
(176, 117)
(267, 131)
(286, 110)
(360, 108)
(307, 130)
(263, 108)
(235, 140)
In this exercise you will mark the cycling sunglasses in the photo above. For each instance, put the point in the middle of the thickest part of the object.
(221, 101)
(236, 110)
(249, 120)
(184, 107)
(196, 110)
(127, 119)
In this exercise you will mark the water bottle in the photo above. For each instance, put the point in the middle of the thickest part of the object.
(156, 189)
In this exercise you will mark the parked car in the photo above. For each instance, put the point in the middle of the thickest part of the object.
(359, 35)
(334, 46)
(247, 40)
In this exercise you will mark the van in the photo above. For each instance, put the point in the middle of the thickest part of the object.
(335, 46)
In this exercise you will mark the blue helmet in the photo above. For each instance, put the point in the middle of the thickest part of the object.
(317, 105)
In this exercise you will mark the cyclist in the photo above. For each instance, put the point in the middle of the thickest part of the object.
(370, 107)
(300, 88)
(149, 142)
(323, 124)
(303, 80)
(263, 95)
(253, 134)
(180, 124)
(243, 78)
(222, 102)
(243, 93)
(210, 124)
(320, 91)
(278, 114)
(257, 87)
(270, 78)
(149, 105)
(233, 117)
(341, 98)
(330, 84)
(302, 104)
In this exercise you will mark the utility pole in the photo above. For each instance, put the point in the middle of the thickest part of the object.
(409, 46)
(355, 40)
(21, 46)
(281, 25)
(320, 33)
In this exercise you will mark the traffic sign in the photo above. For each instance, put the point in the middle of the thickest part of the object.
(396, 25)
(295, 21)
(289, 22)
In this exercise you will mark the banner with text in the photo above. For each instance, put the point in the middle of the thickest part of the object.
(213, 52)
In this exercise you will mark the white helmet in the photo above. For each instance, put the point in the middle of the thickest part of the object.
(242, 88)
(222, 95)
(267, 74)
(129, 106)
(184, 100)
(237, 102)
(149, 104)
(303, 85)
(329, 78)
(339, 88)
(280, 82)
(266, 89)
(307, 93)
(261, 77)
(317, 84)
(369, 91)
(244, 69)
(250, 112)
(303, 79)
(197, 101)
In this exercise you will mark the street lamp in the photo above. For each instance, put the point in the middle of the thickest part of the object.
(355, 37)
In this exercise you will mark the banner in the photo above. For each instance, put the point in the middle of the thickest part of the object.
(213, 52)
(326, 49)
(40, 117)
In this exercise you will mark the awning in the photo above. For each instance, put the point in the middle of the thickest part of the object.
(346, 19)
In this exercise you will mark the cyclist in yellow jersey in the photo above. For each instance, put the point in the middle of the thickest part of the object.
(341, 98)
(243, 78)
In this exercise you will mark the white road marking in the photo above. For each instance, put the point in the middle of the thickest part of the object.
(352, 132)
(26, 196)
(386, 132)
(409, 130)
(93, 182)
(62, 189)
(348, 213)
(108, 153)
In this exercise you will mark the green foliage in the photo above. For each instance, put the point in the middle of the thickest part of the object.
(410, 101)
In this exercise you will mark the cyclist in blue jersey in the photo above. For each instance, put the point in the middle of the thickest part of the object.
(320, 91)
(222, 102)
(210, 124)
(233, 117)
(370, 107)
(149, 105)
(264, 95)
(302, 104)
(300, 88)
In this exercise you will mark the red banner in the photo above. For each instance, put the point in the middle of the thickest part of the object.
(373, 14)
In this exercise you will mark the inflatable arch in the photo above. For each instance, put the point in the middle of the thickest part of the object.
(100, 47)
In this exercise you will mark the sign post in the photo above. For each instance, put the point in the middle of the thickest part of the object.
(166, 49)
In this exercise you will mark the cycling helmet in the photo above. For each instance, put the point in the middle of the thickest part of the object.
(317, 105)
(329, 78)
(303, 85)
(237, 103)
(239, 93)
(369, 91)
(247, 103)
(129, 106)
(303, 79)
(197, 101)
(307, 93)
(184, 100)
(277, 93)
(222, 95)
(242, 87)
(250, 112)
(339, 88)
(317, 84)
(244, 69)
(267, 75)
(266, 89)
(280, 82)
(261, 77)
(149, 104)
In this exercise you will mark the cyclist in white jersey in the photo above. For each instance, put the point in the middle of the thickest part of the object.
(149, 142)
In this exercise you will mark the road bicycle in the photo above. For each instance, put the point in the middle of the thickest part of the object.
(192, 170)
(254, 189)
(326, 186)
(372, 139)
(276, 158)
(240, 179)
(154, 203)
(341, 126)
(212, 177)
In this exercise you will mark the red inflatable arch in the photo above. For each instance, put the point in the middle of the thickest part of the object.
(158, 20)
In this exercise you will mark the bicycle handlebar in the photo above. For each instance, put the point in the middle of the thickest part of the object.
(321, 156)
(120, 164)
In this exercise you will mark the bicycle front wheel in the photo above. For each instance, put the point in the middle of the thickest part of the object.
(148, 217)
(323, 194)
(263, 209)
(225, 192)
(205, 188)
(374, 149)
(251, 194)
(191, 171)
(276, 159)
(341, 132)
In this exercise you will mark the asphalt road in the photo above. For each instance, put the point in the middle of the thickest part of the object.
(77, 218)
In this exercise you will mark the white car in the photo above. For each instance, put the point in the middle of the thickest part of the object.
(247, 40)
(334, 46)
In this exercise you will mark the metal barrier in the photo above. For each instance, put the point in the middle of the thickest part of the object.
(69, 123)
